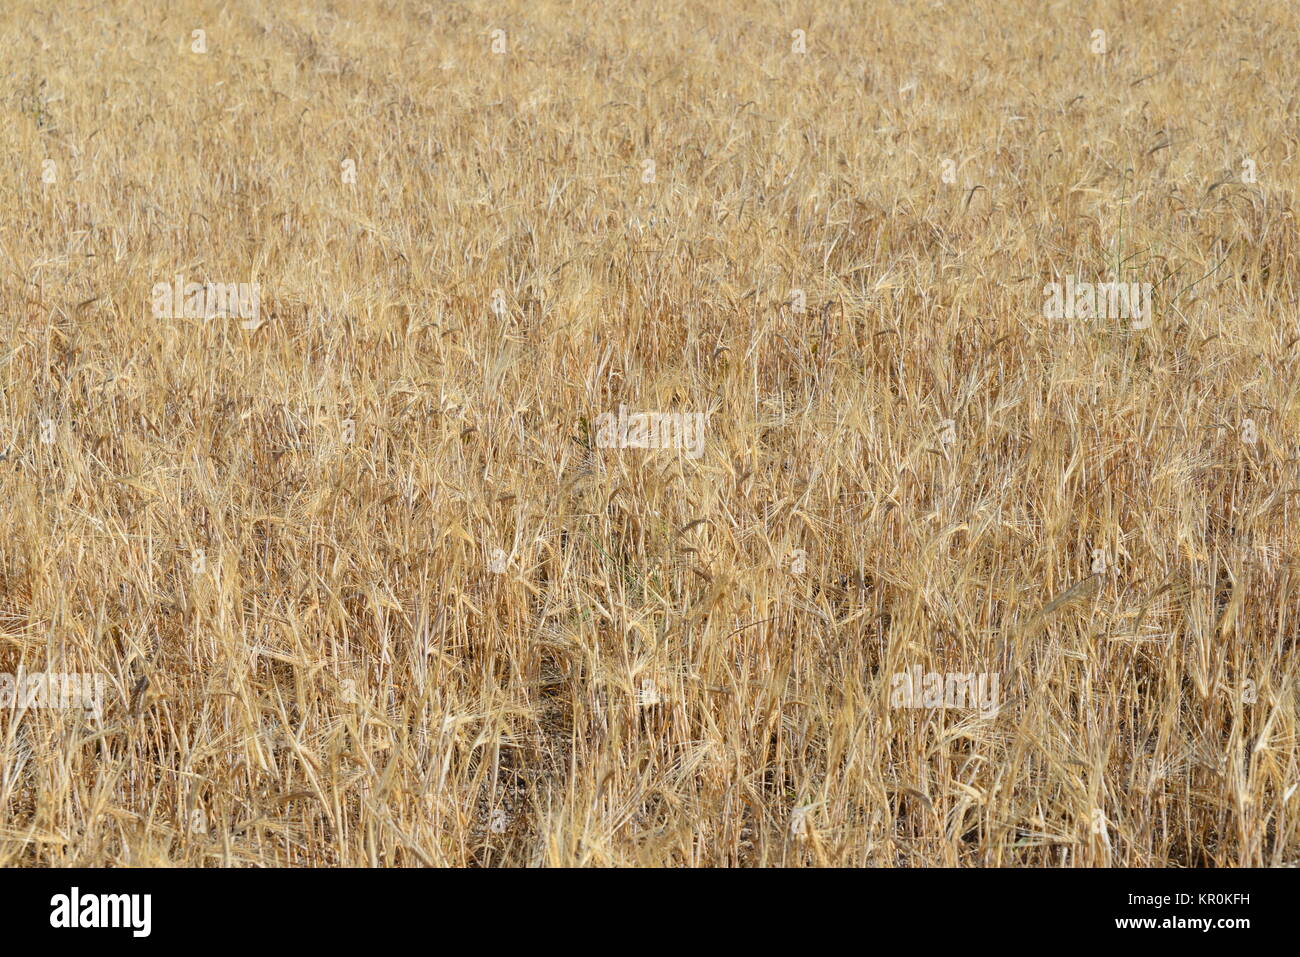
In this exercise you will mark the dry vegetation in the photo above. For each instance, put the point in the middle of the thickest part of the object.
(303, 638)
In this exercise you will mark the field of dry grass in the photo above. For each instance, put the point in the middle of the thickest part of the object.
(363, 585)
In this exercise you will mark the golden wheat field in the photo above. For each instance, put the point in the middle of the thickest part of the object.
(649, 434)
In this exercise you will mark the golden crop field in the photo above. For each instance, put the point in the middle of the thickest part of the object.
(649, 434)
